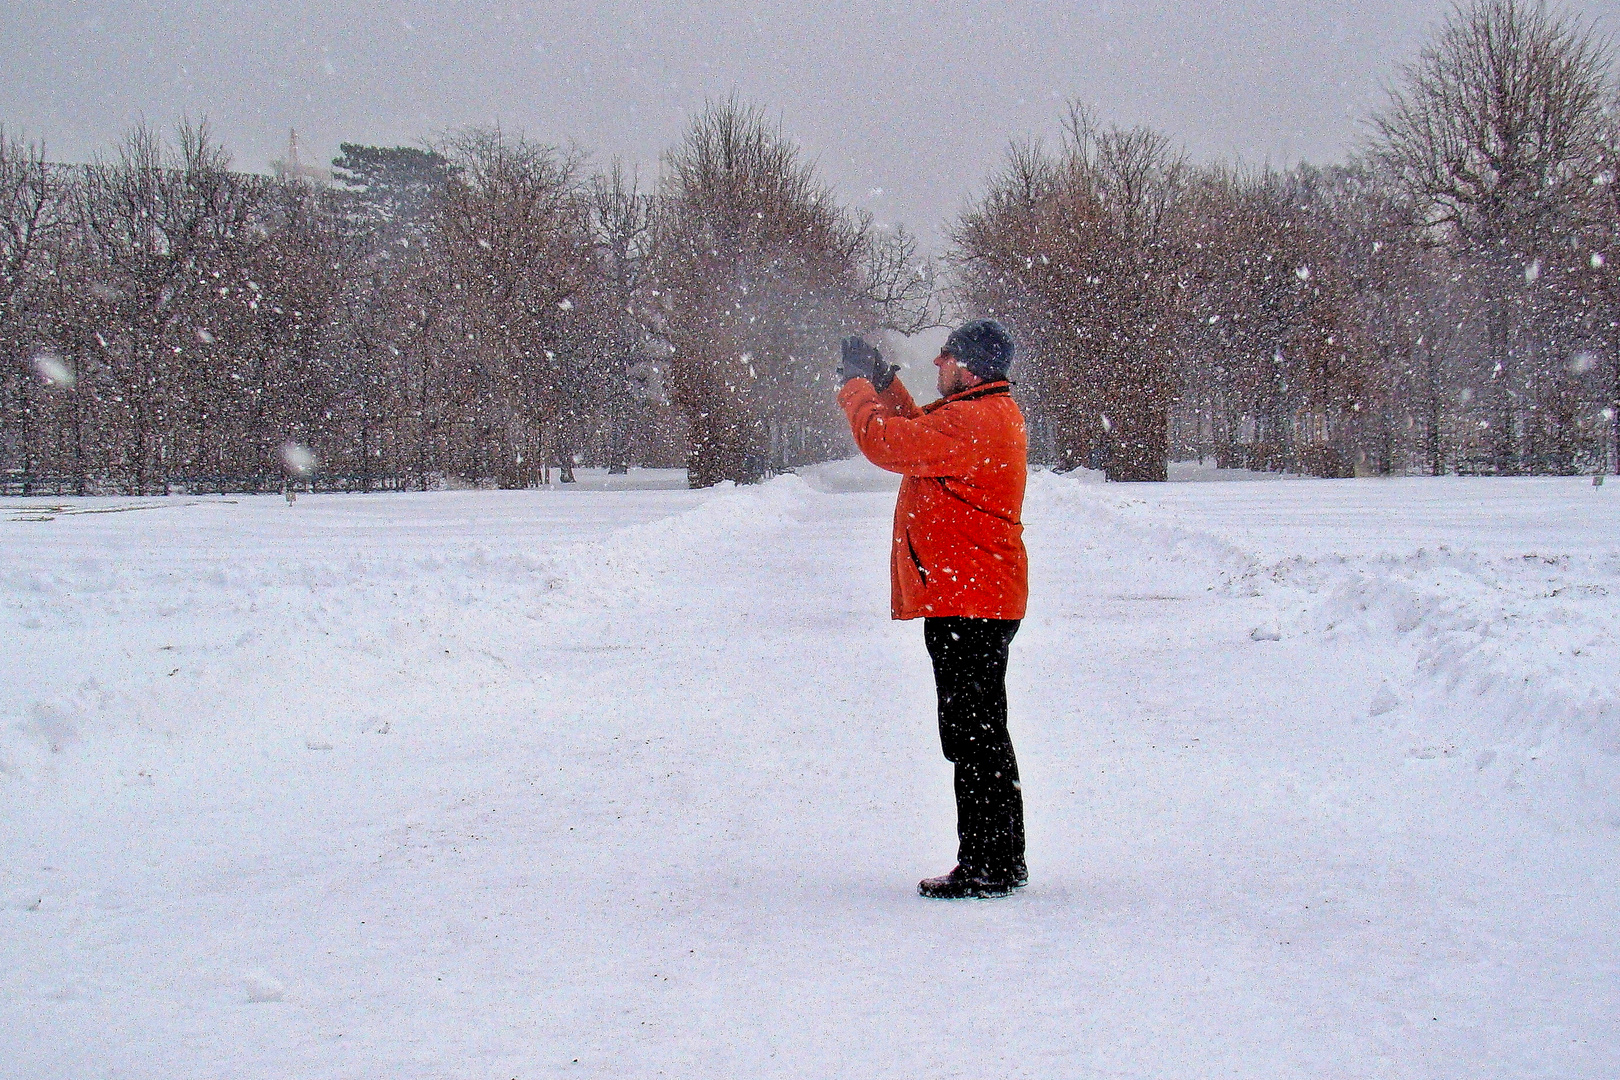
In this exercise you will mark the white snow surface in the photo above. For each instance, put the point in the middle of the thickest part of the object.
(1321, 781)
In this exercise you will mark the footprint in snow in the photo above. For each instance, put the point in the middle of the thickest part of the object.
(1383, 702)
(260, 986)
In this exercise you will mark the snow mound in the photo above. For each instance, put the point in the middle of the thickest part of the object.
(260, 987)
(1509, 654)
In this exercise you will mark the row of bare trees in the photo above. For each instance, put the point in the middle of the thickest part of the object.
(1447, 302)
(162, 314)
(481, 312)
(490, 309)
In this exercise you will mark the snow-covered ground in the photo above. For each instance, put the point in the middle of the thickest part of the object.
(1321, 780)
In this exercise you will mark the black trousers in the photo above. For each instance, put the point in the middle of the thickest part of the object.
(970, 673)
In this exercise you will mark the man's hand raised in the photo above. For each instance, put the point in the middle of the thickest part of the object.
(863, 361)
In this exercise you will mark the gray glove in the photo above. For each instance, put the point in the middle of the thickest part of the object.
(863, 361)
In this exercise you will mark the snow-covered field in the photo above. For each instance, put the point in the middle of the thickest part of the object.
(1322, 782)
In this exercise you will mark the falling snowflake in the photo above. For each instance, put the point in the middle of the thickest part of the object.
(298, 459)
(49, 367)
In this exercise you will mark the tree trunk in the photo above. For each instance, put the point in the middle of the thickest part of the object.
(1614, 403)
(1431, 429)
(365, 450)
(26, 434)
(79, 469)
(1505, 461)
(1138, 447)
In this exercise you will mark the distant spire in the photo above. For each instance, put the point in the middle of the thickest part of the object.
(291, 167)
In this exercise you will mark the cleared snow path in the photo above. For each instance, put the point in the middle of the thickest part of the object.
(1321, 780)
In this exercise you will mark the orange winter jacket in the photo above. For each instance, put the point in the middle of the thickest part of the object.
(958, 529)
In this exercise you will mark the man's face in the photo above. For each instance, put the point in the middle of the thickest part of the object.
(953, 377)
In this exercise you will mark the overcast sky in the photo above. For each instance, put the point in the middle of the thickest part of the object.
(906, 107)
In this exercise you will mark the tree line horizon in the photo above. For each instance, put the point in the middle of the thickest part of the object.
(486, 309)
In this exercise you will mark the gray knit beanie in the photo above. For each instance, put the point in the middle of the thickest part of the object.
(983, 346)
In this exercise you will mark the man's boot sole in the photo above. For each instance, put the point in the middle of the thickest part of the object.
(985, 892)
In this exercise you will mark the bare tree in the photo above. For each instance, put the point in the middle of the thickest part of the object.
(759, 272)
(622, 226)
(154, 227)
(513, 229)
(1600, 277)
(1267, 328)
(33, 218)
(1495, 132)
(1073, 249)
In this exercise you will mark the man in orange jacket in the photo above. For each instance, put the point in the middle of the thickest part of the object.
(958, 564)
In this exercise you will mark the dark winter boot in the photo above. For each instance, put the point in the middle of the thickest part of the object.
(962, 884)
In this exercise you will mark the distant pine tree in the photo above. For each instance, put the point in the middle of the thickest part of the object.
(394, 183)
